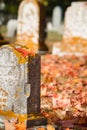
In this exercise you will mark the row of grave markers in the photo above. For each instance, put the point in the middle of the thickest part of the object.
(32, 24)
(75, 23)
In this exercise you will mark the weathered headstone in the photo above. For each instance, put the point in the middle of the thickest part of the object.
(19, 85)
(28, 24)
(31, 25)
(12, 82)
(56, 17)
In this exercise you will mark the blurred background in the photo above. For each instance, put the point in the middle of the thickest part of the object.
(9, 10)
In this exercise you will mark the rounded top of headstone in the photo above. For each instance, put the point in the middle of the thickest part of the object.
(7, 57)
(28, 24)
(57, 8)
(25, 2)
(11, 52)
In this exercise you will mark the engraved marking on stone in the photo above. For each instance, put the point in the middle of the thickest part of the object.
(12, 80)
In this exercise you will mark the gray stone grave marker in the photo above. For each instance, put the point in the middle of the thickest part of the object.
(56, 17)
(19, 84)
(13, 82)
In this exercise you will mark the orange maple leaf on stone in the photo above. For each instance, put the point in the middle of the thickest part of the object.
(25, 52)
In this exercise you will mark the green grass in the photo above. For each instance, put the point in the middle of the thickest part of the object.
(51, 36)
(3, 30)
(54, 36)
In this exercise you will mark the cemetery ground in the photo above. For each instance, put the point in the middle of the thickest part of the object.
(52, 37)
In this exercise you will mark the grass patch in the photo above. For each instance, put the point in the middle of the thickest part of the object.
(3, 30)
(54, 36)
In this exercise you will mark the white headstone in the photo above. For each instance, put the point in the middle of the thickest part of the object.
(56, 17)
(76, 20)
(75, 30)
(13, 81)
(11, 27)
(28, 24)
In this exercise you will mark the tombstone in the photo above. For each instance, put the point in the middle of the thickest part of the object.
(56, 17)
(75, 28)
(28, 24)
(30, 32)
(2, 5)
(11, 28)
(76, 20)
(19, 86)
(11, 79)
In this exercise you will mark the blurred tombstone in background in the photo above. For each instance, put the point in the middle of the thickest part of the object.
(30, 29)
(76, 20)
(57, 17)
(2, 9)
(75, 29)
(56, 24)
(2, 5)
(11, 28)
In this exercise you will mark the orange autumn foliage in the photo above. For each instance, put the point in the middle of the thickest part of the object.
(74, 44)
(9, 115)
(26, 41)
(20, 126)
(13, 125)
(75, 40)
(67, 129)
(25, 52)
